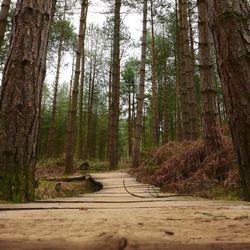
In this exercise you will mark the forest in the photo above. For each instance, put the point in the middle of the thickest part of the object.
(173, 106)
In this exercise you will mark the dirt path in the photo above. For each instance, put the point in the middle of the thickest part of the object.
(113, 219)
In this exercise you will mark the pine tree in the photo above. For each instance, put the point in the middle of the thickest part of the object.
(20, 99)
(184, 95)
(140, 99)
(115, 95)
(229, 21)
(154, 80)
(80, 132)
(212, 134)
(71, 126)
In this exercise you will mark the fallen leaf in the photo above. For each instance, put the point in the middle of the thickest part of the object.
(83, 209)
(169, 233)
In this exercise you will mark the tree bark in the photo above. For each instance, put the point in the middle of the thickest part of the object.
(179, 132)
(89, 142)
(189, 74)
(154, 82)
(218, 103)
(109, 97)
(115, 99)
(71, 125)
(230, 28)
(20, 98)
(4, 11)
(80, 131)
(72, 77)
(165, 103)
(212, 135)
(130, 125)
(184, 95)
(140, 100)
(194, 119)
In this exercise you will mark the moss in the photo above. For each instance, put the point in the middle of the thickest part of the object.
(219, 192)
(47, 189)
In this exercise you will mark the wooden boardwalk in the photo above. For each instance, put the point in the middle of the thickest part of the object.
(114, 219)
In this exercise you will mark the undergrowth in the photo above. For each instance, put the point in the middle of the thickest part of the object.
(186, 168)
(55, 167)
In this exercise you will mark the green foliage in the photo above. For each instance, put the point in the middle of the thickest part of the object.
(128, 81)
(61, 119)
(98, 65)
(64, 29)
(128, 74)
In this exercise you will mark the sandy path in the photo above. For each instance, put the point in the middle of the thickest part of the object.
(112, 219)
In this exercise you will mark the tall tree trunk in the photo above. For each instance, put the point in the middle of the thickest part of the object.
(140, 101)
(178, 126)
(109, 97)
(110, 77)
(195, 125)
(144, 143)
(4, 11)
(71, 124)
(52, 127)
(160, 109)
(179, 132)
(184, 94)
(80, 126)
(88, 112)
(165, 104)
(134, 111)
(154, 81)
(93, 135)
(212, 134)
(71, 88)
(230, 27)
(218, 104)
(88, 115)
(71, 78)
(20, 98)
(130, 125)
(115, 100)
(189, 73)
(80, 132)
(90, 109)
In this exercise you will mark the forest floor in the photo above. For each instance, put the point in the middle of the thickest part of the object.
(52, 182)
(187, 167)
(114, 219)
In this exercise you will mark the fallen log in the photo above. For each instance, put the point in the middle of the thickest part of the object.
(69, 178)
